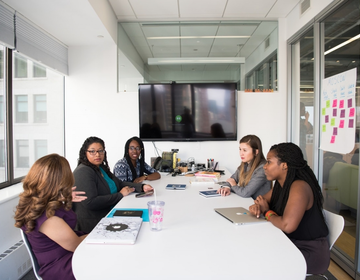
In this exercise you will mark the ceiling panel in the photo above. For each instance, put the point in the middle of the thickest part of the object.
(248, 9)
(204, 9)
(155, 9)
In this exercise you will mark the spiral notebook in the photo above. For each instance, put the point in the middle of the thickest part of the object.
(115, 230)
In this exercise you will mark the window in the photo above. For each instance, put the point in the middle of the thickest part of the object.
(22, 152)
(40, 110)
(20, 66)
(40, 148)
(21, 109)
(34, 112)
(1, 63)
(39, 71)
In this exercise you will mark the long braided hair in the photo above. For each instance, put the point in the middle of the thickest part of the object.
(141, 158)
(84, 160)
(298, 169)
(255, 143)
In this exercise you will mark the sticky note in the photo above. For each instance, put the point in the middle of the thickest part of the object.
(332, 122)
(341, 103)
(334, 103)
(327, 103)
(350, 103)
(323, 128)
(351, 123)
(341, 124)
(334, 112)
(352, 112)
(342, 113)
(332, 140)
(327, 119)
(335, 131)
(323, 111)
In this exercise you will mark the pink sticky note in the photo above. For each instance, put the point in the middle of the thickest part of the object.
(341, 103)
(332, 140)
(352, 112)
(341, 124)
(334, 104)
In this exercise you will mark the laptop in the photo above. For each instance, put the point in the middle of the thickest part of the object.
(239, 215)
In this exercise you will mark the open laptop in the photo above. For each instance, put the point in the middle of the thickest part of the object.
(239, 215)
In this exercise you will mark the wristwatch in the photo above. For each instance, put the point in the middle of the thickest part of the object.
(146, 177)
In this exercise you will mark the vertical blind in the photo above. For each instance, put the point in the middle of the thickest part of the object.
(18, 33)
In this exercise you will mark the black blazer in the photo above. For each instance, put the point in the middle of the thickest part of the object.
(99, 200)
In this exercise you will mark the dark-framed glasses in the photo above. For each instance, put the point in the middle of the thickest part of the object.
(132, 148)
(93, 152)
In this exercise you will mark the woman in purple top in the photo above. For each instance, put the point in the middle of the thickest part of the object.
(44, 214)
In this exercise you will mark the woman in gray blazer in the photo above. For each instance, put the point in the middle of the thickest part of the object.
(102, 188)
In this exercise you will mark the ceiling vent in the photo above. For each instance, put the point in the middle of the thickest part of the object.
(267, 42)
(304, 6)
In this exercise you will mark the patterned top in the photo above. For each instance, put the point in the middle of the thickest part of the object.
(123, 172)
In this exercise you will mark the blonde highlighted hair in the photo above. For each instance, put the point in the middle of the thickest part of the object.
(47, 187)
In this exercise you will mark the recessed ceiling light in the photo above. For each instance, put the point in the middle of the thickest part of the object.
(100, 36)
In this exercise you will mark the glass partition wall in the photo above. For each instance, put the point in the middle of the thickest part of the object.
(329, 47)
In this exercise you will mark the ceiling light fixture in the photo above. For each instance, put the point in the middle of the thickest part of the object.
(197, 37)
(195, 60)
(342, 44)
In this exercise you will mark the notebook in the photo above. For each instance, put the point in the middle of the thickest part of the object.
(176, 186)
(239, 215)
(116, 230)
(212, 193)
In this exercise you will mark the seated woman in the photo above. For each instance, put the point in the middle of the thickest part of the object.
(295, 204)
(249, 179)
(44, 211)
(132, 167)
(102, 188)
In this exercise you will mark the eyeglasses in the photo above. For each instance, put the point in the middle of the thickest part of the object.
(132, 148)
(93, 152)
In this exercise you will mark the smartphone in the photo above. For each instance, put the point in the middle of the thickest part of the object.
(142, 194)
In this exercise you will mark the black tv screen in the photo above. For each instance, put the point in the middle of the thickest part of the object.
(188, 112)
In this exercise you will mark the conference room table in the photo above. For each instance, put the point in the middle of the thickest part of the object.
(195, 242)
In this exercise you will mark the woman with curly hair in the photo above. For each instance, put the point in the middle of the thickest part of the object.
(44, 214)
(249, 179)
(295, 205)
(102, 188)
(132, 167)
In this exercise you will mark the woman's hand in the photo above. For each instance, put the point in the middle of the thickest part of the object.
(264, 206)
(126, 190)
(231, 181)
(147, 188)
(140, 179)
(224, 191)
(255, 210)
(76, 196)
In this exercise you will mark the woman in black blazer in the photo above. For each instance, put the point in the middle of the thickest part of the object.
(103, 189)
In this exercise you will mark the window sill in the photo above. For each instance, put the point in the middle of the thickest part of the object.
(10, 192)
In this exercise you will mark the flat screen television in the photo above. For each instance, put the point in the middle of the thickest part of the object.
(188, 112)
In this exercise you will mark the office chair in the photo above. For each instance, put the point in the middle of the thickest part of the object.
(34, 261)
(335, 225)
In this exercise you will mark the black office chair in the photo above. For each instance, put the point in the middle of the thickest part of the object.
(34, 261)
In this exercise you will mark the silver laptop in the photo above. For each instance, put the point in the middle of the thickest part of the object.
(239, 215)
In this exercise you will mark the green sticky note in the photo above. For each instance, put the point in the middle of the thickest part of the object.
(332, 122)
(323, 111)
(327, 103)
(324, 128)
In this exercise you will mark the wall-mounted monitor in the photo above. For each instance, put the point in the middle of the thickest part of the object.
(188, 112)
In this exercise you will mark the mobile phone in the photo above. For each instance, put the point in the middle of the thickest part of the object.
(142, 194)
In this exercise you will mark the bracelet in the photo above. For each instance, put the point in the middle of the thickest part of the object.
(268, 214)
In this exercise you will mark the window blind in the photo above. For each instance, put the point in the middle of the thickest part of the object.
(17, 32)
(6, 26)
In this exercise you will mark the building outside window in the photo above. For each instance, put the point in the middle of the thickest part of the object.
(21, 108)
(40, 148)
(40, 109)
(39, 71)
(22, 153)
(20, 66)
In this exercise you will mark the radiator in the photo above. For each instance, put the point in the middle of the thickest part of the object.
(15, 262)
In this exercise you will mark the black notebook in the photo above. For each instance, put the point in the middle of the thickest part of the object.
(128, 213)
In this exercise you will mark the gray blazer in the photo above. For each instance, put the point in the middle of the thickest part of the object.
(99, 200)
(258, 184)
